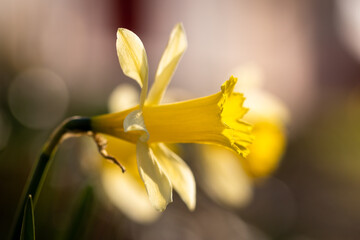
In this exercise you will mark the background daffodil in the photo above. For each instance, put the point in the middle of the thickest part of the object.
(228, 178)
(215, 119)
(269, 117)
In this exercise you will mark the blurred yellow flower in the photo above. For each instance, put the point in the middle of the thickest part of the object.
(215, 119)
(125, 191)
(269, 115)
(219, 167)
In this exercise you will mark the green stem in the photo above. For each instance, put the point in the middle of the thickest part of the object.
(34, 184)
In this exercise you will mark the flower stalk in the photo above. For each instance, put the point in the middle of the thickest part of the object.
(73, 125)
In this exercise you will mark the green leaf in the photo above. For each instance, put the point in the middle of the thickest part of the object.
(28, 223)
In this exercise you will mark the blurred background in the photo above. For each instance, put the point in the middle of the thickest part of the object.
(58, 59)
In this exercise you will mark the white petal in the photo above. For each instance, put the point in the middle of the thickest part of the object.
(132, 55)
(134, 121)
(174, 50)
(178, 172)
(133, 59)
(127, 194)
(156, 182)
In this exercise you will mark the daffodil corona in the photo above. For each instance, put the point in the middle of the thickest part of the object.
(215, 119)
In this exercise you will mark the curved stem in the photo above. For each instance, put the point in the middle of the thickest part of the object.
(34, 184)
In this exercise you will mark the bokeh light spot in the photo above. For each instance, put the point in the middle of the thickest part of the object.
(38, 98)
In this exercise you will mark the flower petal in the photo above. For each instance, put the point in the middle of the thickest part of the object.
(178, 172)
(156, 182)
(127, 193)
(132, 55)
(266, 150)
(223, 177)
(134, 121)
(176, 47)
(133, 59)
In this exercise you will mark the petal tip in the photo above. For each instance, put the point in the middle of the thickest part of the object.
(228, 86)
(192, 206)
(162, 205)
(132, 56)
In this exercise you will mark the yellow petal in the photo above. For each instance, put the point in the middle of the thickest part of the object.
(178, 172)
(133, 59)
(156, 182)
(266, 150)
(134, 121)
(127, 193)
(176, 47)
(223, 178)
(132, 55)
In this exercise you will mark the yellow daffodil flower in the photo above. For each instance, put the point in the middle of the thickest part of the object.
(220, 167)
(215, 119)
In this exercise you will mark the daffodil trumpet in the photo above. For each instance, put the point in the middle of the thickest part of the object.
(214, 119)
